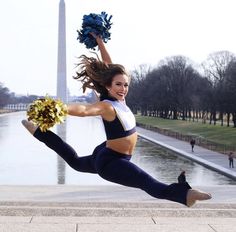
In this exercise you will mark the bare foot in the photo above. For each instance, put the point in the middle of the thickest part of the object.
(196, 195)
(29, 126)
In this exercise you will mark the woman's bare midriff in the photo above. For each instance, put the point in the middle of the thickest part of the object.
(123, 145)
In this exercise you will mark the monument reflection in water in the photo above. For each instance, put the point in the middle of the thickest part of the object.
(26, 161)
(61, 165)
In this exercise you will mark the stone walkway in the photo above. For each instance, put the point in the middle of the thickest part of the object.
(106, 209)
(116, 224)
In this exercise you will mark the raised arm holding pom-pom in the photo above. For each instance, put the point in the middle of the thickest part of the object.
(112, 159)
(104, 53)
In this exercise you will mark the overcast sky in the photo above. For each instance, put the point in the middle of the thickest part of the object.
(143, 32)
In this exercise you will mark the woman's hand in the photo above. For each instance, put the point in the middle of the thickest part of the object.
(94, 35)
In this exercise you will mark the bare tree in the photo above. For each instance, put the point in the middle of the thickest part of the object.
(216, 64)
(136, 96)
(230, 92)
(180, 75)
(215, 70)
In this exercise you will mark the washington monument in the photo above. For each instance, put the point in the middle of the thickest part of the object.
(61, 56)
(61, 83)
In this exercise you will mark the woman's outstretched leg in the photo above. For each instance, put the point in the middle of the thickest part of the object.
(117, 168)
(64, 150)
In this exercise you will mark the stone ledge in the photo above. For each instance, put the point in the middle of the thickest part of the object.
(99, 211)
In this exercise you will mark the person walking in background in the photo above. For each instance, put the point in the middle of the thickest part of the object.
(111, 159)
(231, 160)
(192, 143)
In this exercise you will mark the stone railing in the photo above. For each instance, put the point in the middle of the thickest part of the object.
(16, 107)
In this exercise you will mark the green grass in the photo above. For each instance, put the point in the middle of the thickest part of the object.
(219, 134)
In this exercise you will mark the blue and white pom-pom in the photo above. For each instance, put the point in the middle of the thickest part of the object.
(99, 24)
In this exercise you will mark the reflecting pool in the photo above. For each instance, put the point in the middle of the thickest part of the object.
(26, 161)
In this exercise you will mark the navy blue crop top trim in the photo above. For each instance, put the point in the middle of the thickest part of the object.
(115, 130)
(105, 97)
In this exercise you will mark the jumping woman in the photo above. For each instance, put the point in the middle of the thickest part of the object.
(111, 159)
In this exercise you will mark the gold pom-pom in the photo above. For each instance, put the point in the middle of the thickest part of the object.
(46, 112)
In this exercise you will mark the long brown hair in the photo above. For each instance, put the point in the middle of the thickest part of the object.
(95, 74)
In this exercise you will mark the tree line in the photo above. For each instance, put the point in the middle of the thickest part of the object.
(8, 97)
(176, 89)
(179, 89)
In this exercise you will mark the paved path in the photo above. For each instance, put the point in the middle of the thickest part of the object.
(115, 208)
(63, 208)
(211, 159)
(67, 209)
(116, 224)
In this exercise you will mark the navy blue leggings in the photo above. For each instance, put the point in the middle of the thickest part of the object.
(113, 166)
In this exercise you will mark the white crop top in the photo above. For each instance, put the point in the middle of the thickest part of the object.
(124, 114)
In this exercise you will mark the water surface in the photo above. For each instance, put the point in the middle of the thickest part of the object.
(26, 161)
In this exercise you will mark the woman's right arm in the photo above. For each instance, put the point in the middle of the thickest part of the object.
(99, 108)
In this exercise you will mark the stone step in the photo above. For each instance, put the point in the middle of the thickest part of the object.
(98, 209)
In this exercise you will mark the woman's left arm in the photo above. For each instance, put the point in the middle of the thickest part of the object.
(104, 53)
(106, 58)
